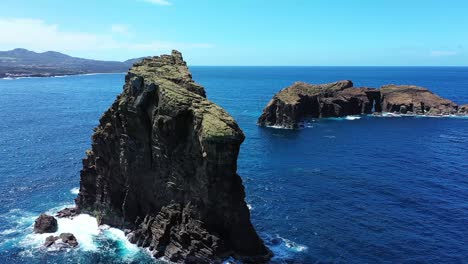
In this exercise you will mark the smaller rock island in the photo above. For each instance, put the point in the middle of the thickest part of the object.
(293, 104)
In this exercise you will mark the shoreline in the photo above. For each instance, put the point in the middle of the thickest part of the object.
(57, 76)
(304, 124)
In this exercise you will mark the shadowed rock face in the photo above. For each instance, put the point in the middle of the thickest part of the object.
(289, 107)
(463, 109)
(163, 164)
(292, 105)
(45, 224)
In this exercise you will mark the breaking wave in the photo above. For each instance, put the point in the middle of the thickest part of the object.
(352, 117)
(285, 249)
(75, 190)
(90, 236)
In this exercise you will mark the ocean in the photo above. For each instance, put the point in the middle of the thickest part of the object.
(342, 190)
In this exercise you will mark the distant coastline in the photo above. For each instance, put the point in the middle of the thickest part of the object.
(22, 63)
(57, 76)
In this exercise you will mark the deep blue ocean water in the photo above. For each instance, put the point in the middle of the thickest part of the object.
(368, 190)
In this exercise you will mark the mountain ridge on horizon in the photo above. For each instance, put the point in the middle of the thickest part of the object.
(22, 62)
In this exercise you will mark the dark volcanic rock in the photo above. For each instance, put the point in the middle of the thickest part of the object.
(463, 109)
(50, 240)
(292, 105)
(419, 100)
(45, 224)
(67, 240)
(353, 101)
(68, 212)
(163, 164)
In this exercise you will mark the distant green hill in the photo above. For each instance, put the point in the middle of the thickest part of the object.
(26, 63)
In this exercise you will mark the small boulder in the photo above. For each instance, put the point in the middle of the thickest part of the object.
(69, 239)
(64, 240)
(45, 224)
(50, 240)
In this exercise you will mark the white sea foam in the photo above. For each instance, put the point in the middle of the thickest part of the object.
(284, 248)
(279, 127)
(385, 114)
(83, 226)
(128, 249)
(344, 118)
(250, 207)
(294, 246)
(352, 117)
(7, 232)
(388, 114)
(75, 190)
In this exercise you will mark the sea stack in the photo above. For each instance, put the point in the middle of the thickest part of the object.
(292, 105)
(163, 164)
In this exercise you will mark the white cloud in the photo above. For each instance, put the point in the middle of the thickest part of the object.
(120, 29)
(37, 35)
(443, 53)
(159, 2)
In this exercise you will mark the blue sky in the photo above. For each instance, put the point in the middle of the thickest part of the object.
(245, 32)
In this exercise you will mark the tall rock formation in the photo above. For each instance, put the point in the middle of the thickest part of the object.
(292, 105)
(163, 164)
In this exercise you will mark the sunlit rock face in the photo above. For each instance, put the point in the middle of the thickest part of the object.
(163, 164)
(289, 107)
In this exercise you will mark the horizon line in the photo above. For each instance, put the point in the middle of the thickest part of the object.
(408, 66)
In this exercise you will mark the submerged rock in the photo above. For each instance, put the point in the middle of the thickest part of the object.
(45, 224)
(292, 105)
(163, 164)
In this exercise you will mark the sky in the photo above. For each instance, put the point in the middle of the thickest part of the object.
(245, 32)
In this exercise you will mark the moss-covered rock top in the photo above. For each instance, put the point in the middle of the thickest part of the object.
(170, 67)
(177, 89)
(292, 93)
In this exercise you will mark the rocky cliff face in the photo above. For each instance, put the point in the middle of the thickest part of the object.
(163, 164)
(415, 100)
(292, 105)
